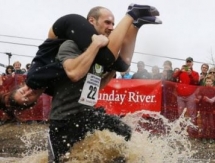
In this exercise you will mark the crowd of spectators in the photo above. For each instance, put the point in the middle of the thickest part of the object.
(185, 75)
(16, 68)
(11, 70)
(194, 92)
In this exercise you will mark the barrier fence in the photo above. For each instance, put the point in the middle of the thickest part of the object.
(123, 96)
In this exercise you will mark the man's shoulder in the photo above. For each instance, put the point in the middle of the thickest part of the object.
(195, 72)
(69, 45)
(68, 50)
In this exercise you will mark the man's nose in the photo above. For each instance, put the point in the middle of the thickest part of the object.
(111, 27)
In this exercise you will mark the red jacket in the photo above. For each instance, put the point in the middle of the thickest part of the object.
(185, 80)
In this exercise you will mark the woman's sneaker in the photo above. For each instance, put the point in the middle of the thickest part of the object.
(136, 11)
(146, 20)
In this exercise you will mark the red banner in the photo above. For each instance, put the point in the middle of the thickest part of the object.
(122, 96)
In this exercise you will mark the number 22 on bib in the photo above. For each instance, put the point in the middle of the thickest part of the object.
(90, 91)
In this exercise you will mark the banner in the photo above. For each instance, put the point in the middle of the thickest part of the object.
(123, 96)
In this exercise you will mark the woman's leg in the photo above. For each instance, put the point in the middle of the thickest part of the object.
(78, 29)
(127, 50)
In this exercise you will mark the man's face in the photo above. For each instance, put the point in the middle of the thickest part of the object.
(189, 64)
(17, 66)
(26, 96)
(176, 69)
(9, 71)
(167, 67)
(204, 69)
(140, 66)
(104, 24)
(155, 70)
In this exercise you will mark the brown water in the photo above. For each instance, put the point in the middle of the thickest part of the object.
(172, 146)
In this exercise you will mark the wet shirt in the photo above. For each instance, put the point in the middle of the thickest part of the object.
(67, 93)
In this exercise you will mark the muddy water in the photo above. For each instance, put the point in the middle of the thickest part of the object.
(26, 143)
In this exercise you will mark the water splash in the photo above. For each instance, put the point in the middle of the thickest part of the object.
(154, 140)
(29, 137)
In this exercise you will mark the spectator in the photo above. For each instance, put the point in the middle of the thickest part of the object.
(174, 71)
(125, 75)
(27, 67)
(24, 70)
(205, 99)
(212, 73)
(185, 99)
(17, 67)
(204, 72)
(167, 65)
(9, 70)
(167, 71)
(141, 73)
(156, 73)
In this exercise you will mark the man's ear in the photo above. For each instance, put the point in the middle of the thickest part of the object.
(91, 20)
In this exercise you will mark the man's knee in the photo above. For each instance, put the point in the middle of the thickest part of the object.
(105, 57)
(51, 34)
(120, 65)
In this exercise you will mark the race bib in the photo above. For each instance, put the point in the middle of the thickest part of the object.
(90, 91)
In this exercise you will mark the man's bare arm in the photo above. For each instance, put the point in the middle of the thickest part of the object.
(78, 67)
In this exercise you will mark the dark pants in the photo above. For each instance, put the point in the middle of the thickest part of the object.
(67, 132)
